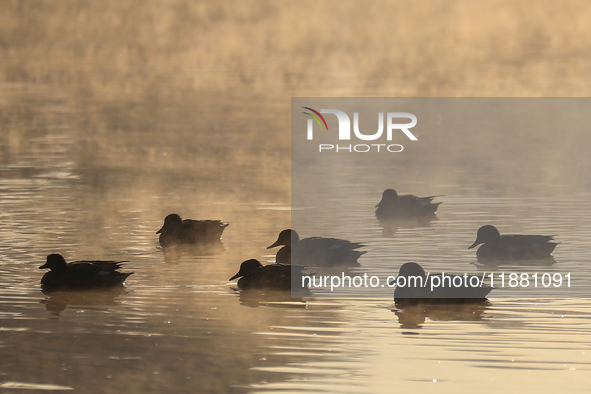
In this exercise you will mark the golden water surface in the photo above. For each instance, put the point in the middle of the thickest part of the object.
(114, 114)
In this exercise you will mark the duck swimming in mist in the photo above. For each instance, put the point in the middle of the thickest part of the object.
(81, 275)
(511, 247)
(414, 286)
(316, 251)
(395, 207)
(176, 231)
(254, 276)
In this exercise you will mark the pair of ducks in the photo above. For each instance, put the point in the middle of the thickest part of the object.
(279, 277)
(81, 275)
(309, 252)
(495, 246)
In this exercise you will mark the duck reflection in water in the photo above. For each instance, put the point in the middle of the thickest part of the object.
(414, 316)
(492, 264)
(274, 277)
(390, 227)
(103, 300)
(406, 211)
(316, 251)
(497, 248)
(175, 253)
(272, 299)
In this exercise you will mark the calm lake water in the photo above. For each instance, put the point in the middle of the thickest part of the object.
(115, 116)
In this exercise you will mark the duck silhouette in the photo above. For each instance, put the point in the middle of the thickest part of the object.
(405, 207)
(316, 251)
(254, 276)
(177, 231)
(81, 274)
(416, 287)
(511, 247)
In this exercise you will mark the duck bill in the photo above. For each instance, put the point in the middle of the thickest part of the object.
(235, 276)
(274, 245)
(43, 266)
(159, 231)
(476, 243)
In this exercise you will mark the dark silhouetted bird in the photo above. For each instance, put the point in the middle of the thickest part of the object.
(81, 274)
(176, 231)
(254, 276)
(395, 207)
(511, 247)
(414, 286)
(316, 251)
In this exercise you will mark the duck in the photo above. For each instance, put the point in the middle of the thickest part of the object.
(415, 291)
(395, 207)
(316, 251)
(81, 274)
(177, 231)
(254, 276)
(511, 247)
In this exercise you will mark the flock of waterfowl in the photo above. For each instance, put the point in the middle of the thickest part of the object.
(297, 254)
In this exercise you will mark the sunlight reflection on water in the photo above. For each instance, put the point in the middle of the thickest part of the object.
(178, 320)
(108, 126)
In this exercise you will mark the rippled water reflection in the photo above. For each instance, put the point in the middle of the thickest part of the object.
(113, 116)
(180, 326)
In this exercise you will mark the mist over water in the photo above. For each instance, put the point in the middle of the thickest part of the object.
(472, 154)
(114, 115)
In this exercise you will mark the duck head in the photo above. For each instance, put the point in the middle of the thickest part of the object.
(388, 195)
(55, 262)
(172, 223)
(247, 267)
(410, 269)
(486, 234)
(286, 237)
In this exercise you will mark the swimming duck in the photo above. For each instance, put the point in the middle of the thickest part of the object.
(253, 275)
(392, 206)
(511, 247)
(419, 290)
(176, 231)
(81, 274)
(316, 251)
